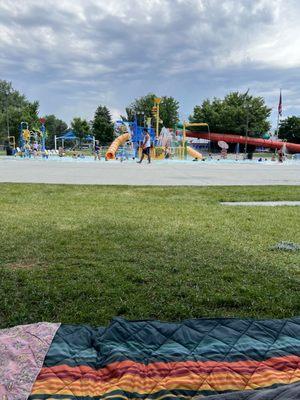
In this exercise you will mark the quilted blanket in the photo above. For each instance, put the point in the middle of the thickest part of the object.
(212, 358)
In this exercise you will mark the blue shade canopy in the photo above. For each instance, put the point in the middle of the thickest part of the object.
(70, 135)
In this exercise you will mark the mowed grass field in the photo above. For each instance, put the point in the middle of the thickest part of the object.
(84, 254)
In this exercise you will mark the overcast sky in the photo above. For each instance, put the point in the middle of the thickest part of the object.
(73, 55)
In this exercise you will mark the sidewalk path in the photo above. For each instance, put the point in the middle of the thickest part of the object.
(262, 203)
(157, 173)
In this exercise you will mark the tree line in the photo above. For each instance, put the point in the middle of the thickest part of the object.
(15, 108)
(237, 113)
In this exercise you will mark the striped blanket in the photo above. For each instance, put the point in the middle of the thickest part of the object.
(211, 358)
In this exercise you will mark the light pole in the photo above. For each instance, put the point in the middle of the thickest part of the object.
(157, 102)
(5, 103)
(247, 128)
(246, 101)
(7, 113)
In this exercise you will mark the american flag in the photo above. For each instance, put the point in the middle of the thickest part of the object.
(280, 105)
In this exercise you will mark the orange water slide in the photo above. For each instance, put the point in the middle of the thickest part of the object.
(194, 153)
(111, 152)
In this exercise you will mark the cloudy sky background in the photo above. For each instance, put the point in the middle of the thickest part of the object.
(73, 55)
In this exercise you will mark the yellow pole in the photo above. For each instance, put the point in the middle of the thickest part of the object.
(184, 133)
(157, 103)
(184, 139)
(157, 121)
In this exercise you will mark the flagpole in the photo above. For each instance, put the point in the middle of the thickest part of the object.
(277, 129)
(279, 112)
(247, 121)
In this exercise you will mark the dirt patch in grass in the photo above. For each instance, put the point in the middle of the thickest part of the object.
(23, 265)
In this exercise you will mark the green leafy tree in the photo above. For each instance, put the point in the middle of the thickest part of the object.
(102, 126)
(141, 105)
(15, 108)
(289, 129)
(54, 126)
(129, 115)
(231, 114)
(169, 109)
(81, 128)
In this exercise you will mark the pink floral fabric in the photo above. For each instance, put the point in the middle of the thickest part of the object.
(22, 353)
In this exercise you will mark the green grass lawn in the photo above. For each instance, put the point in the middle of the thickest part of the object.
(84, 254)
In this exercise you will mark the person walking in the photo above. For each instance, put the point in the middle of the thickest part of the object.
(97, 151)
(146, 147)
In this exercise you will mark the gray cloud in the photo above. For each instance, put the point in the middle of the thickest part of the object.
(74, 55)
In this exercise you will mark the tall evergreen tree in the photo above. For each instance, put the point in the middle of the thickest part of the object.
(102, 126)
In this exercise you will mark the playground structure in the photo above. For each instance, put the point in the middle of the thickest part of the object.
(161, 140)
(131, 132)
(35, 137)
(133, 136)
(192, 152)
(12, 141)
(166, 143)
(33, 141)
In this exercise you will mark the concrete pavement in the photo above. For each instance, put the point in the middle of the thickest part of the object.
(262, 203)
(157, 173)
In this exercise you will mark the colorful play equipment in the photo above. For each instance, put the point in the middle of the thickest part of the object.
(175, 142)
(12, 142)
(10, 145)
(190, 151)
(166, 138)
(181, 148)
(35, 136)
(161, 141)
(24, 134)
(165, 141)
(129, 132)
(43, 134)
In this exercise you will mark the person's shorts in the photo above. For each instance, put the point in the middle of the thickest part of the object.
(146, 151)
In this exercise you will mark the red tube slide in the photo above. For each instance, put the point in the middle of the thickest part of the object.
(228, 138)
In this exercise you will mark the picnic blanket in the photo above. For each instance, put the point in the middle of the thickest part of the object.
(22, 353)
(212, 358)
